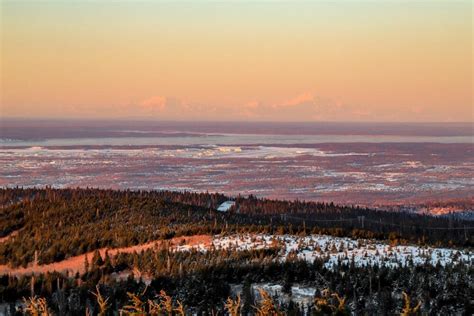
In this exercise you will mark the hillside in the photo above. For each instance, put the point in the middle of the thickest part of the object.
(152, 240)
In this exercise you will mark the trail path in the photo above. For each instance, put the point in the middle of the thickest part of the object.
(76, 264)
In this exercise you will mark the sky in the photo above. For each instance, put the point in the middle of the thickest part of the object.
(339, 60)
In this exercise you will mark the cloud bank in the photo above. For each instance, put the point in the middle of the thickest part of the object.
(305, 106)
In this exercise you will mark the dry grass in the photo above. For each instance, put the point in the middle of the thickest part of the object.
(407, 309)
(330, 303)
(233, 307)
(36, 306)
(164, 306)
(103, 306)
(266, 306)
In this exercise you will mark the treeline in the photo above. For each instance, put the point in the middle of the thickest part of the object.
(205, 289)
(54, 224)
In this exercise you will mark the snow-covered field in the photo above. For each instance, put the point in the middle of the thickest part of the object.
(336, 250)
(362, 173)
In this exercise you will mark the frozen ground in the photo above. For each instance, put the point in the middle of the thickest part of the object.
(346, 251)
(336, 250)
(359, 173)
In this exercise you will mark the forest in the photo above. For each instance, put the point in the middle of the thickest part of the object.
(44, 226)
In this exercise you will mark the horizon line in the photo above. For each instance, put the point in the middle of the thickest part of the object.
(157, 120)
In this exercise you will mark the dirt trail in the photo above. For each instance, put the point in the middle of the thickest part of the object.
(76, 264)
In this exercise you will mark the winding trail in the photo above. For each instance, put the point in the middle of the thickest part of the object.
(76, 264)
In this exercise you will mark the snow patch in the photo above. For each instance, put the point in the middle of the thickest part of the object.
(224, 207)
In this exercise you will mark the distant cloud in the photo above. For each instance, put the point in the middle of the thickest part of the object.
(305, 106)
(301, 107)
(306, 97)
(249, 109)
(155, 103)
(252, 104)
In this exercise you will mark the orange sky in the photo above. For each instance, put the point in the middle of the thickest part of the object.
(341, 60)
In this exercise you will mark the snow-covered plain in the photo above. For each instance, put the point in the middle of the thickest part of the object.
(336, 250)
(363, 174)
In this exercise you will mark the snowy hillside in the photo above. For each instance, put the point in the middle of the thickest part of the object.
(335, 250)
